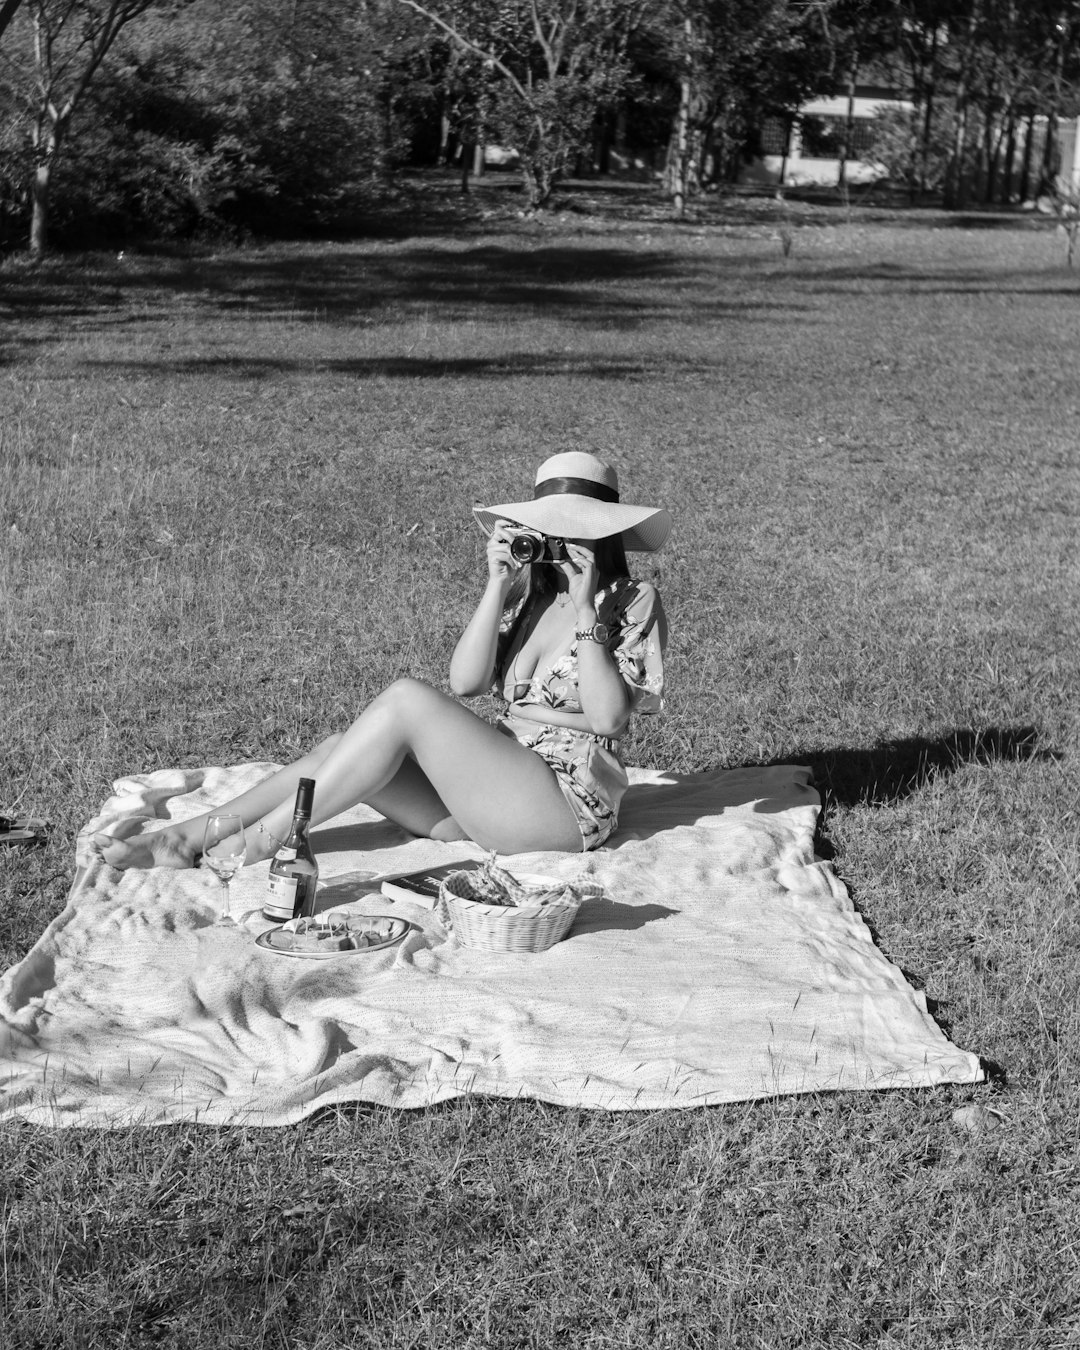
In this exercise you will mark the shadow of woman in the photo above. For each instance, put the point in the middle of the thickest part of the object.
(876, 775)
(885, 773)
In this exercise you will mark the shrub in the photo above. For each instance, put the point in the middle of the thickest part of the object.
(897, 142)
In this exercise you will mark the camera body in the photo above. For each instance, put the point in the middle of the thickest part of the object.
(529, 546)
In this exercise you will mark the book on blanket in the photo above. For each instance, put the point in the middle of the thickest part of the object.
(422, 887)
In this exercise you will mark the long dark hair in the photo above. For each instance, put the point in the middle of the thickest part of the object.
(536, 578)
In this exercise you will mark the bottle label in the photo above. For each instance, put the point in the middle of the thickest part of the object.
(281, 897)
(285, 854)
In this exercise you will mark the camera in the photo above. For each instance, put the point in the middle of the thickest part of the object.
(530, 547)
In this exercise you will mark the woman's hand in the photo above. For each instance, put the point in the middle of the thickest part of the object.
(502, 565)
(473, 662)
(582, 579)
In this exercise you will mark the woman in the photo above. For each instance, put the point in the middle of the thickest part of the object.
(573, 645)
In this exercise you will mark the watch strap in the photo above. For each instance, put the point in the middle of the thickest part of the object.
(599, 632)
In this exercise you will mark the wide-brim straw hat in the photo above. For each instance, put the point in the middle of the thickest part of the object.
(577, 497)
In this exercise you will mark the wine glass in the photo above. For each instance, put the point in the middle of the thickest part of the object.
(224, 851)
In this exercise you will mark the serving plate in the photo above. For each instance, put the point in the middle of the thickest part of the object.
(354, 925)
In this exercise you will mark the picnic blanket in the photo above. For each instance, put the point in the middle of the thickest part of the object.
(725, 962)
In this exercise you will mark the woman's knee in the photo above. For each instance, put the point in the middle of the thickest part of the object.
(407, 696)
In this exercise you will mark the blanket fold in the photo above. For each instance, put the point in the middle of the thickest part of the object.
(725, 962)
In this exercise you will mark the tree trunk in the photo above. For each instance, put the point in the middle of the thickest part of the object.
(46, 137)
(849, 127)
(682, 128)
(39, 220)
(603, 135)
(538, 183)
(927, 135)
(954, 175)
(1025, 163)
(993, 142)
(1007, 193)
(928, 116)
(997, 167)
(913, 146)
(619, 133)
(955, 192)
(915, 64)
(788, 126)
(444, 140)
(712, 158)
(1051, 160)
(1049, 169)
(681, 157)
(977, 157)
(695, 162)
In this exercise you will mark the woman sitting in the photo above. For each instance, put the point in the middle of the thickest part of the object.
(569, 641)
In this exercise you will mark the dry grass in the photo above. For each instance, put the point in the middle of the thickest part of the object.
(235, 503)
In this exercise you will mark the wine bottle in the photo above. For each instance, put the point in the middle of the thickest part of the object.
(294, 870)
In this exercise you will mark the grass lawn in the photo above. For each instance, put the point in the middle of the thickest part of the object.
(235, 502)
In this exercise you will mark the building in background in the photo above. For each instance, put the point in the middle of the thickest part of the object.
(808, 149)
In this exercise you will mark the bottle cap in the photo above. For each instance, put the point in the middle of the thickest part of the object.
(305, 794)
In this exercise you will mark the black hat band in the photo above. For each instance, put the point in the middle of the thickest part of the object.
(580, 487)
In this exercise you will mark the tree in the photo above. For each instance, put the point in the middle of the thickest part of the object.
(984, 75)
(68, 40)
(733, 62)
(261, 115)
(553, 65)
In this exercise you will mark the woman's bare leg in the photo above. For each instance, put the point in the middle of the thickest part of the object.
(177, 845)
(278, 787)
(421, 759)
(500, 794)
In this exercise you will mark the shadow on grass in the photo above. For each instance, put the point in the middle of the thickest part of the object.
(350, 279)
(587, 280)
(427, 367)
(618, 287)
(886, 773)
(892, 770)
(899, 278)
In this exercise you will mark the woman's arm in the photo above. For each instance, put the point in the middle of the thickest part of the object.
(606, 702)
(605, 699)
(472, 665)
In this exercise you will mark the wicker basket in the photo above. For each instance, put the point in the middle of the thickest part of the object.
(511, 928)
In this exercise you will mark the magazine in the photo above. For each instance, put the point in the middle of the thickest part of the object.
(422, 887)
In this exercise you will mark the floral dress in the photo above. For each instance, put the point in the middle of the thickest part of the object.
(587, 766)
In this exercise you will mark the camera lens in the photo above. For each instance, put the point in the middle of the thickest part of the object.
(525, 548)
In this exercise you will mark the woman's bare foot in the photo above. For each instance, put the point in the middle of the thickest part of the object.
(159, 848)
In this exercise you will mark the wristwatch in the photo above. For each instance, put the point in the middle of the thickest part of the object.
(599, 632)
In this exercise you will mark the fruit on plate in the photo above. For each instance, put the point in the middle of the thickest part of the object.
(344, 933)
(311, 940)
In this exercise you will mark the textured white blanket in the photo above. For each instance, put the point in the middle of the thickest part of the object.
(727, 963)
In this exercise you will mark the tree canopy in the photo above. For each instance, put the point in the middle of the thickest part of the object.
(134, 118)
